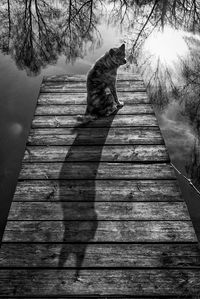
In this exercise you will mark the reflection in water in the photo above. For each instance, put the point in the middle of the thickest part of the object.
(176, 46)
(172, 77)
(82, 222)
(168, 56)
(36, 32)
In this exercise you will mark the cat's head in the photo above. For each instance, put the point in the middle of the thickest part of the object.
(118, 55)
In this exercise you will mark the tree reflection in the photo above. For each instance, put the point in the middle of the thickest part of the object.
(144, 16)
(178, 79)
(36, 32)
(5, 16)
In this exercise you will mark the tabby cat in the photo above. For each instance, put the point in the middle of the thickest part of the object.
(102, 97)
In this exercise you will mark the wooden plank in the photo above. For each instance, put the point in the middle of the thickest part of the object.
(117, 255)
(96, 170)
(80, 98)
(62, 282)
(92, 230)
(81, 86)
(63, 86)
(90, 136)
(59, 121)
(96, 153)
(81, 78)
(104, 211)
(81, 109)
(107, 191)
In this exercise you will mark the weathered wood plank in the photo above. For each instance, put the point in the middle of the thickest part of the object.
(93, 170)
(102, 255)
(83, 77)
(74, 87)
(89, 136)
(99, 231)
(81, 109)
(96, 153)
(105, 190)
(61, 282)
(104, 211)
(80, 98)
(59, 121)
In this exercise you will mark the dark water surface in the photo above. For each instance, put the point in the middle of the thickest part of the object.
(27, 55)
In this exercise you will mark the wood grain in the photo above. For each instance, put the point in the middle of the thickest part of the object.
(92, 230)
(61, 282)
(81, 109)
(116, 153)
(72, 86)
(137, 97)
(59, 121)
(104, 190)
(89, 136)
(109, 211)
(102, 255)
(96, 170)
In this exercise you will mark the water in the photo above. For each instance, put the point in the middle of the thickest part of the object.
(61, 41)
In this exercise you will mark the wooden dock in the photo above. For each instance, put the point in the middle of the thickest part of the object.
(97, 211)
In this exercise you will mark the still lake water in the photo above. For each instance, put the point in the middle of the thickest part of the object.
(19, 91)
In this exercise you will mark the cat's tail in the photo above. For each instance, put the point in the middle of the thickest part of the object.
(86, 118)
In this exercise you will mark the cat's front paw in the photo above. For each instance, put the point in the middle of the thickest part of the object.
(120, 104)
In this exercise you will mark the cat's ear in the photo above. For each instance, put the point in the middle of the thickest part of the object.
(122, 47)
(111, 52)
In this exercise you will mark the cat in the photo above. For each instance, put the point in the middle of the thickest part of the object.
(102, 97)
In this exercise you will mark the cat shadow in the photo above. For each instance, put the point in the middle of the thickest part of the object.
(78, 190)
